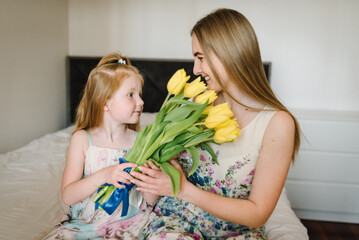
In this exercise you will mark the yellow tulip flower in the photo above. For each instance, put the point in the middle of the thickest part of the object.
(206, 110)
(226, 134)
(194, 88)
(177, 82)
(221, 109)
(209, 95)
(228, 123)
(213, 121)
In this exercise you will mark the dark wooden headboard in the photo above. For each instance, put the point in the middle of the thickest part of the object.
(156, 74)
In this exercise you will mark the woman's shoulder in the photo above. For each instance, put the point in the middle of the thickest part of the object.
(281, 123)
(282, 119)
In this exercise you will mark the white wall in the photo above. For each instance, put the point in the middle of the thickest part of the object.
(33, 47)
(311, 44)
(323, 184)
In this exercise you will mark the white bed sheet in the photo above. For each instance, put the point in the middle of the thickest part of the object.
(30, 201)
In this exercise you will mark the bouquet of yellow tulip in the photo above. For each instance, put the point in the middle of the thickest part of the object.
(180, 125)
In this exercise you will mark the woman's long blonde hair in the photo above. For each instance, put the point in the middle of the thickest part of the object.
(102, 83)
(229, 35)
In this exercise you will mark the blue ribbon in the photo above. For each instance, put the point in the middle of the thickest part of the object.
(118, 196)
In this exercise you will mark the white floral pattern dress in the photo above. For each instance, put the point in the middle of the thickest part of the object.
(176, 219)
(82, 221)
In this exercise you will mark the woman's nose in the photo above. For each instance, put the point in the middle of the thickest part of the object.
(196, 68)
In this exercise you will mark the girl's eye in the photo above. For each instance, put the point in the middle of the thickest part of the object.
(130, 94)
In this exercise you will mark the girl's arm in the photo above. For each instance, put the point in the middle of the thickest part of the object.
(74, 188)
(270, 175)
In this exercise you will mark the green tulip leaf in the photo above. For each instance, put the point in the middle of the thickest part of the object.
(150, 145)
(208, 148)
(199, 138)
(193, 151)
(160, 115)
(155, 162)
(156, 154)
(174, 128)
(179, 113)
(141, 138)
(195, 129)
(168, 153)
(174, 175)
(188, 103)
(179, 139)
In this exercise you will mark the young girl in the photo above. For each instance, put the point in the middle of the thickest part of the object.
(105, 130)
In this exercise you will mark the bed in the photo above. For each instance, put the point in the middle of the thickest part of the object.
(30, 176)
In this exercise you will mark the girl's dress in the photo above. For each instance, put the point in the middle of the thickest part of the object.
(176, 219)
(82, 221)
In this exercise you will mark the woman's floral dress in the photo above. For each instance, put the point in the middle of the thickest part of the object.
(176, 219)
(82, 221)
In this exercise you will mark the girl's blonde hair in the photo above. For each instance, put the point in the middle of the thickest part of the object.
(102, 83)
(229, 35)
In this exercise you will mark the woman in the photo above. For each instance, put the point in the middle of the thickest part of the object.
(236, 197)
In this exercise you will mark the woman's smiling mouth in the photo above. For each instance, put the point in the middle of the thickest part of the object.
(207, 79)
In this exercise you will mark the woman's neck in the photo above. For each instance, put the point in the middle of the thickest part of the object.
(239, 100)
(244, 107)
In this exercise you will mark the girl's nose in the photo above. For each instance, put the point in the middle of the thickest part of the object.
(140, 102)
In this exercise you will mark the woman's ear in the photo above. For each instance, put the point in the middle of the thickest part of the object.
(105, 108)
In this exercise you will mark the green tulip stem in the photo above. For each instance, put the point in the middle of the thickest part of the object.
(100, 193)
(165, 101)
(200, 141)
(171, 108)
(199, 124)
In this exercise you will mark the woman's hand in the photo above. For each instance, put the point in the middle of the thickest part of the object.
(151, 198)
(116, 173)
(153, 180)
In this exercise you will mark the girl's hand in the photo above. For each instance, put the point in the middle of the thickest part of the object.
(116, 173)
(153, 180)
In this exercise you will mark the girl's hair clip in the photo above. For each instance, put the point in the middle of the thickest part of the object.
(122, 61)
